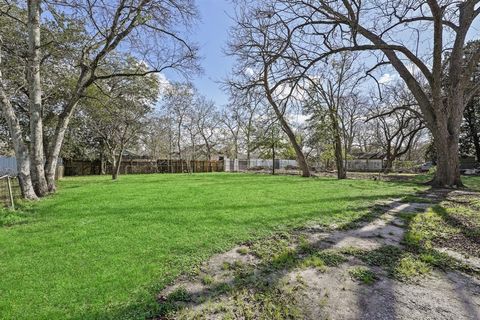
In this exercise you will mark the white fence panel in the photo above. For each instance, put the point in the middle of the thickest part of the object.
(8, 165)
(234, 165)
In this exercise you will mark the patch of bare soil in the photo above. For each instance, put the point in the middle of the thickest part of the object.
(360, 273)
(335, 295)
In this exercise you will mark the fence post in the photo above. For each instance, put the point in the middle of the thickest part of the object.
(10, 193)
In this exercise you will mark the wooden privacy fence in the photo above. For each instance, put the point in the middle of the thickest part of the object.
(136, 166)
(9, 191)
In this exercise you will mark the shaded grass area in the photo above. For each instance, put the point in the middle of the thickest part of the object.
(362, 274)
(101, 249)
(470, 182)
(400, 264)
(451, 224)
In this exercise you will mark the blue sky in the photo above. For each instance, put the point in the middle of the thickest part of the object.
(211, 35)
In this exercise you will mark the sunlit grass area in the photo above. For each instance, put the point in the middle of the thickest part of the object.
(100, 249)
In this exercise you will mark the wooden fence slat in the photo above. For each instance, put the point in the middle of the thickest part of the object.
(129, 166)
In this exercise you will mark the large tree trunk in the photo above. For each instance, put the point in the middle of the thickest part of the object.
(19, 146)
(273, 152)
(388, 164)
(302, 162)
(448, 164)
(235, 141)
(114, 166)
(85, 79)
(389, 161)
(341, 172)
(446, 131)
(35, 99)
(248, 143)
(54, 153)
(102, 163)
(56, 144)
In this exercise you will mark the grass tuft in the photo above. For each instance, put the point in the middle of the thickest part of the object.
(207, 280)
(409, 268)
(314, 262)
(363, 274)
(331, 257)
(243, 251)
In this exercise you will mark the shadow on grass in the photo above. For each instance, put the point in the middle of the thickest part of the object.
(141, 309)
(152, 309)
(400, 264)
(267, 275)
(467, 228)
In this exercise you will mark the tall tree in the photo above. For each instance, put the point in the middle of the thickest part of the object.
(19, 145)
(397, 123)
(118, 113)
(207, 122)
(333, 89)
(255, 41)
(178, 101)
(147, 27)
(35, 98)
(231, 121)
(470, 137)
(439, 82)
(13, 53)
(153, 31)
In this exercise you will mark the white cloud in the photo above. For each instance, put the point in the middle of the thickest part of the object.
(249, 72)
(164, 83)
(386, 78)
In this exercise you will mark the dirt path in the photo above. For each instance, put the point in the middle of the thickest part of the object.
(360, 273)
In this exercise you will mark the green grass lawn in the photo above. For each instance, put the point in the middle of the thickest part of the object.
(100, 249)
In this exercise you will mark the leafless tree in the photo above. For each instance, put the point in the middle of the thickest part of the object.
(35, 98)
(423, 41)
(178, 101)
(333, 90)
(397, 122)
(193, 133)
(232, 123)
(207, 122)
(259, 42)
(352, 114)
(252, 107)
(155, 139)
